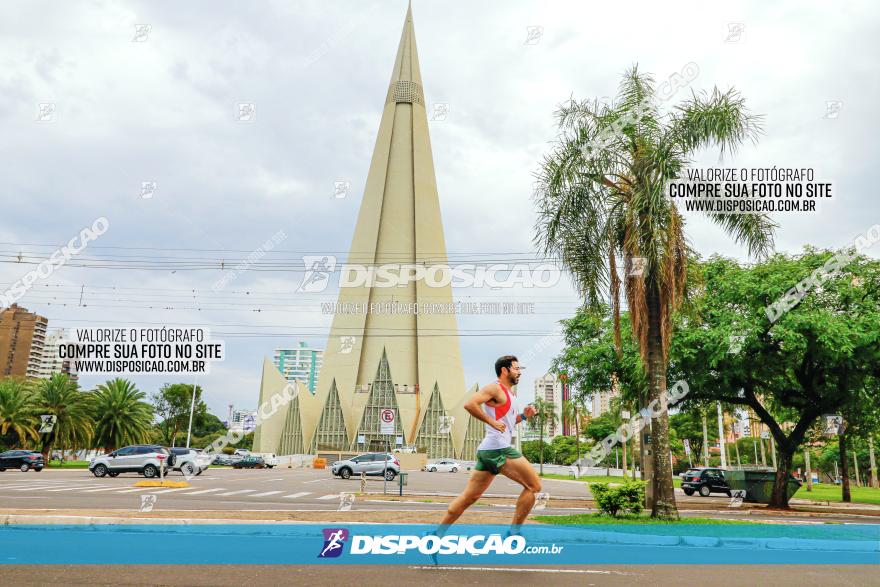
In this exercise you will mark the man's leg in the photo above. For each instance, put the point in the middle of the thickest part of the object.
(521, 471)
(478, 483)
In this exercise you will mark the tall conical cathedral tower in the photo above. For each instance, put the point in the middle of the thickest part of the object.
(404, 361)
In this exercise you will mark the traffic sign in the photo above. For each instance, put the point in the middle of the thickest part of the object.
(386, 417)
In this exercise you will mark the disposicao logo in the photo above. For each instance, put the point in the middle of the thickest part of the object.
(334, 541)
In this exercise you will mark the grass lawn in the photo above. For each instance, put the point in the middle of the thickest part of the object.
(68, 465)
(593, 519)
(830, 492)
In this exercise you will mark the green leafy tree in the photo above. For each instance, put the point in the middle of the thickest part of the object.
(601, 200)
(121, 415)
(74, 427)
(18, 411)
(172, 405)
(601, 426)
(817, 358)
(533, 449)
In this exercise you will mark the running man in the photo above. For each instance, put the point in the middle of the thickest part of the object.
(494, 405)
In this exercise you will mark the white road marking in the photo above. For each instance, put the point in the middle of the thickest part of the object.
(29, 487)
(169, 490)
(71, 488)
(238, 492)
(101, 489)
(138, 489)
(315, 481)
(264, 494)
(331, 496)
(205, 491)
(300, 494)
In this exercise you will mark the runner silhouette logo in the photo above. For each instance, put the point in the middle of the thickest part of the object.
(334, 541)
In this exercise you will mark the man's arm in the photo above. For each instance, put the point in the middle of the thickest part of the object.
(527, 413)
(475, 403)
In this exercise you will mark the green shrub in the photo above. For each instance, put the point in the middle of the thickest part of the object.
(623, 499)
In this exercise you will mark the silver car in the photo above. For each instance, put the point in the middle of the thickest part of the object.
(373, 463)
(146, 459)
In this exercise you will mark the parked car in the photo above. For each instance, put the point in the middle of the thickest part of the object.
(704, 480)
(189, 461)
(242, 452)
(23, 460)
(249, 462)
(223, 459)
(268, 457)
(146, 459)
(370, 464)
(442, 466)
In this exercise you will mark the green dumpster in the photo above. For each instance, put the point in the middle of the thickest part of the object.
(757, 483)
(403, 477)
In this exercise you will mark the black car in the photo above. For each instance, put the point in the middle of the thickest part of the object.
(23, 460)
(704, 481)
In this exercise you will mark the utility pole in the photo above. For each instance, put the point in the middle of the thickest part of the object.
(705, 441)
(192, 408)
(809, 472)
(873, 462)
(763, 451)
(856, 464)
(721, 435)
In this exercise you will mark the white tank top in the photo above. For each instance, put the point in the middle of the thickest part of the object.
(507, 414)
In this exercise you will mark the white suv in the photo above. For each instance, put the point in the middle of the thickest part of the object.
(189, 461)
(146, 459)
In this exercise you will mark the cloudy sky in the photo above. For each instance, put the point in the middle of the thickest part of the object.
(159, 102)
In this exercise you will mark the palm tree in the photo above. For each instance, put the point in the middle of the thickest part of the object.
(573, 410)
(60, 395)
(18, 412)
(544, 413)
(121, 415)
(600, 204)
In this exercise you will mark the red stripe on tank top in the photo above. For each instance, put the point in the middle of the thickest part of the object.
(501, 410)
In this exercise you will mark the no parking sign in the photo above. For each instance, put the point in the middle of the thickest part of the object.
(386, 417)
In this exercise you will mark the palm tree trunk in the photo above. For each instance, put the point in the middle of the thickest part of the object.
(844, 468)
(664, 492)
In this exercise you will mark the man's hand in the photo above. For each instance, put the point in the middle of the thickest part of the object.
(499, 426)
(530, 411)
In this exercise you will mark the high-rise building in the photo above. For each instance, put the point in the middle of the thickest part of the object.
(22, 338)
(51, 361)
(549, 388)
(602, 403)
(388, 364)
(300, 364)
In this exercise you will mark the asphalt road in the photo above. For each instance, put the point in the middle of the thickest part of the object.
(230, 489)
(282, 489)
